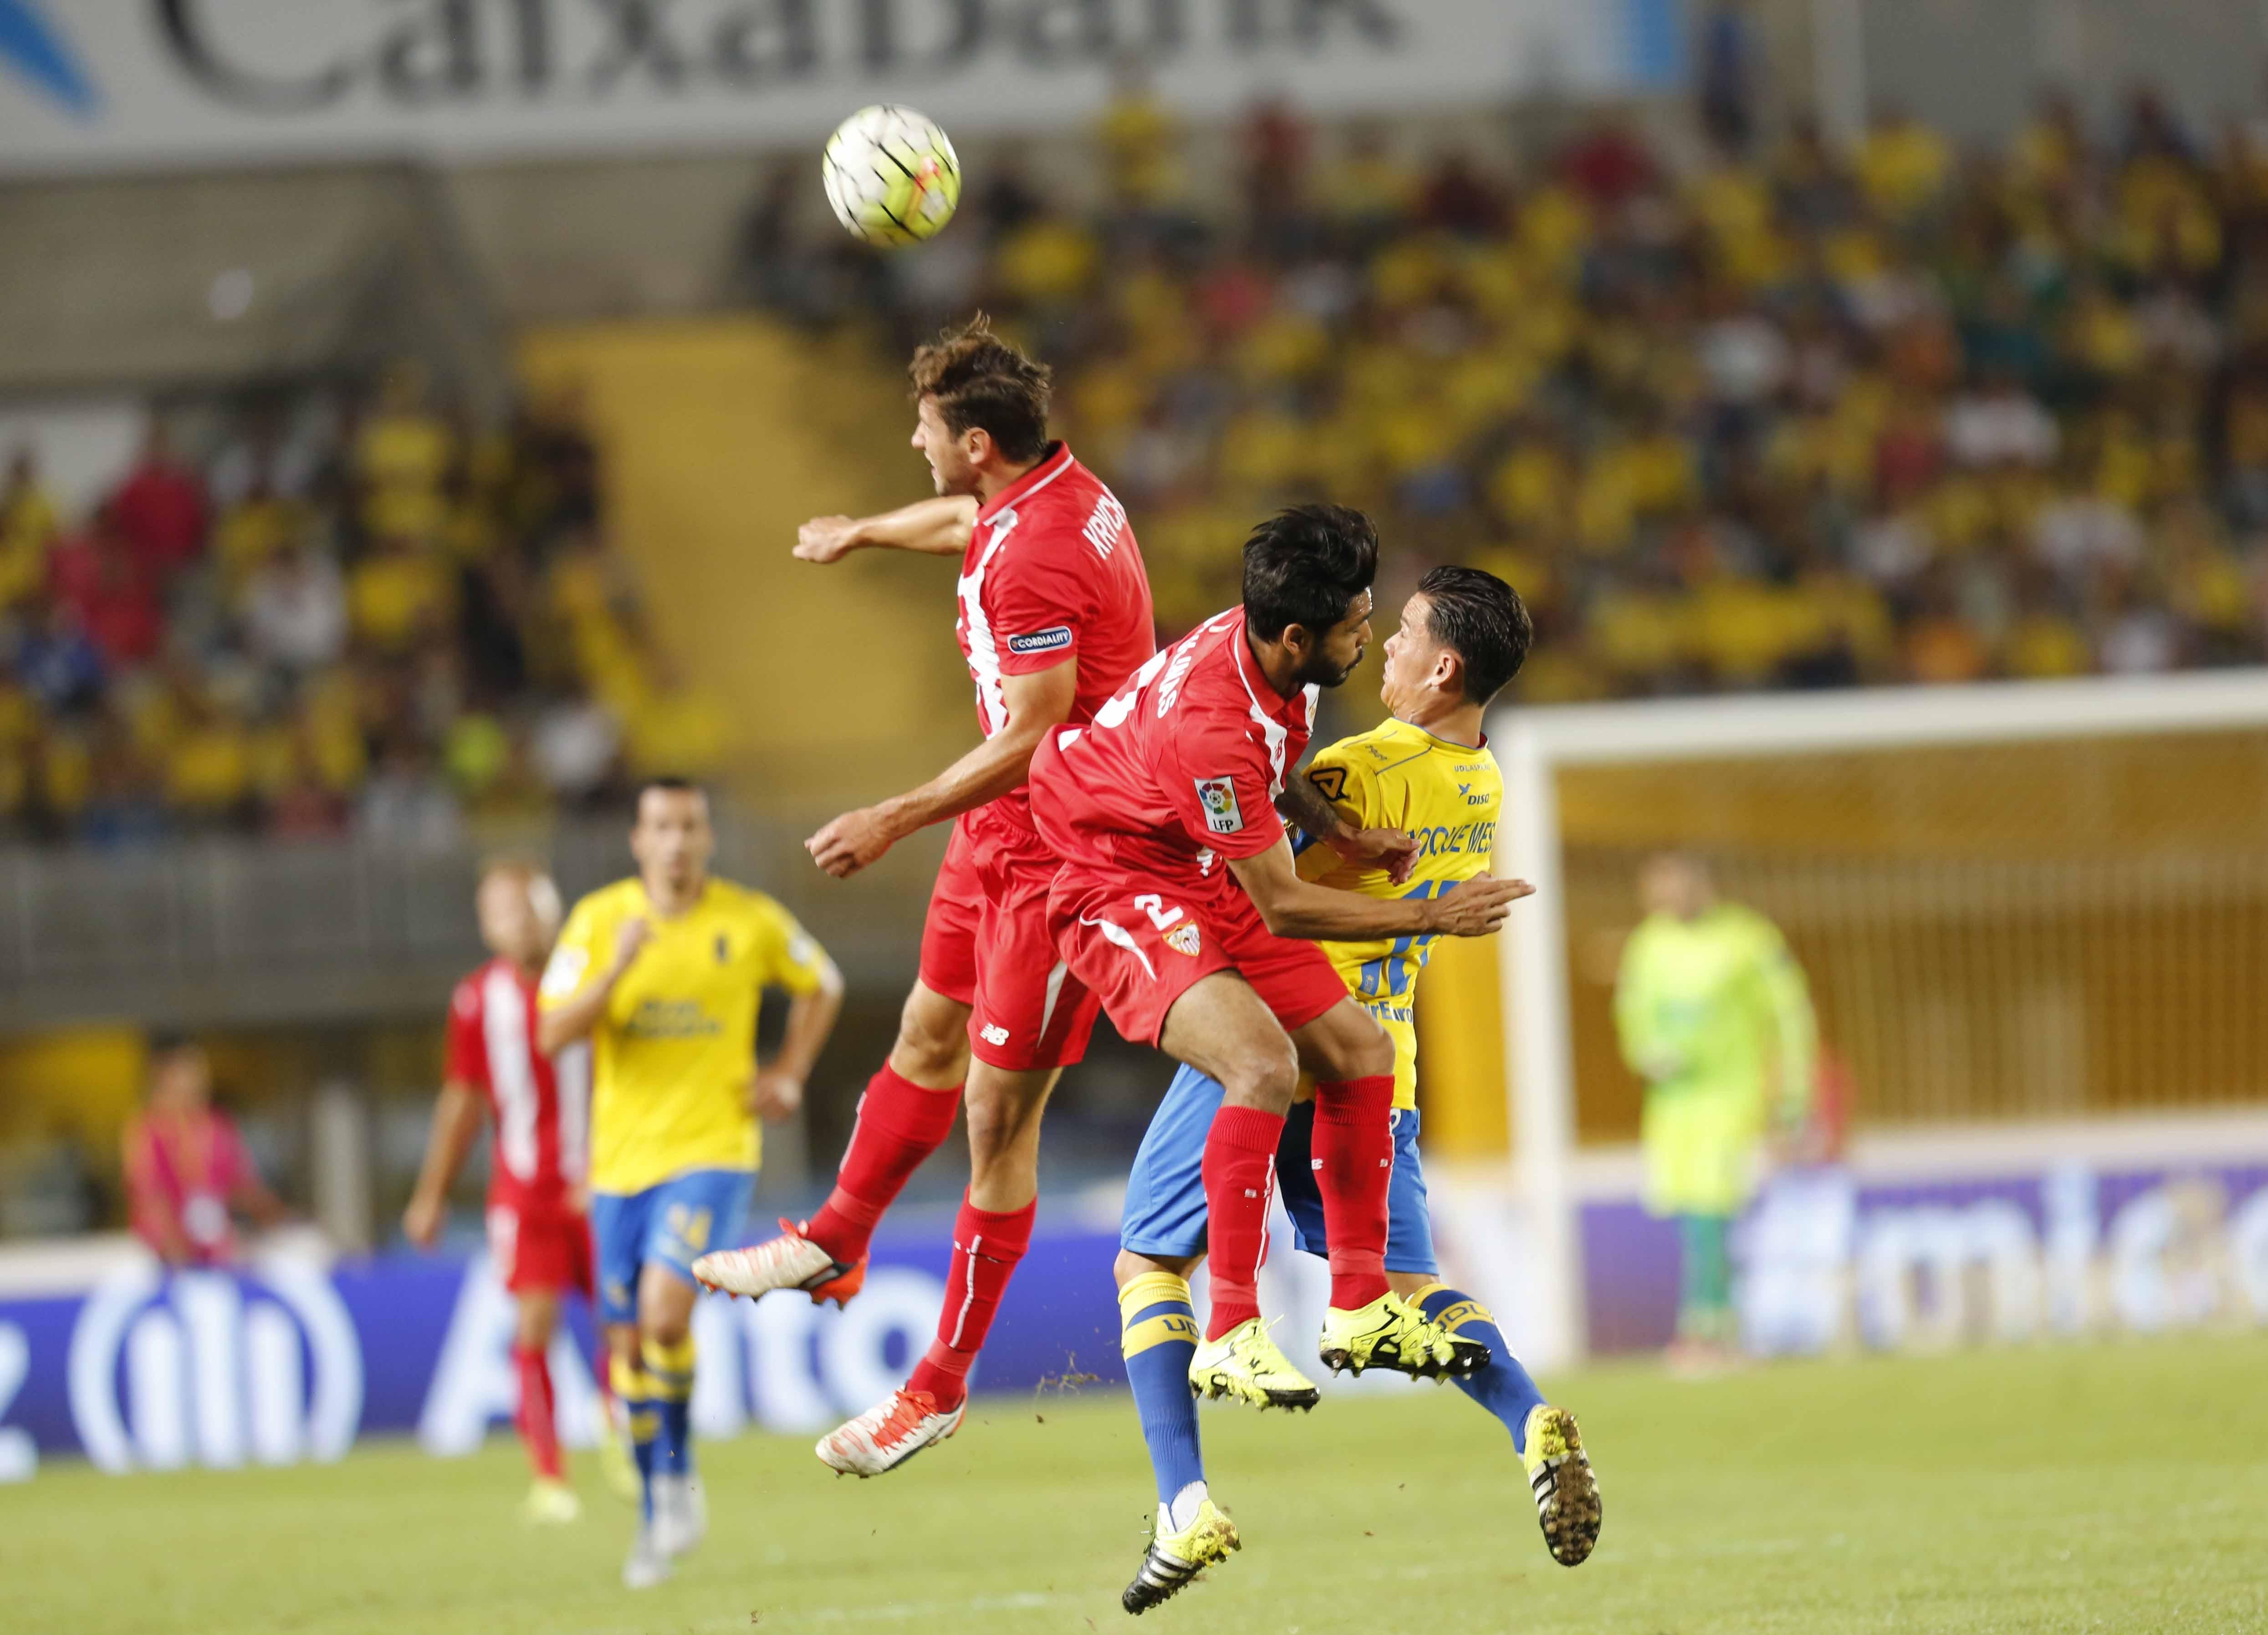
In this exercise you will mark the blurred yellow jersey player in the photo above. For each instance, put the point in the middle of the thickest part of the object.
(1445, 796)
(663, 973)
(674, 1049)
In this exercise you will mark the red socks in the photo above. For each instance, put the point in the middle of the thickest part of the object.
(1239, 1174)
(1354, 1161)
(536, 1422)
(986, 1247)
(900, 1125)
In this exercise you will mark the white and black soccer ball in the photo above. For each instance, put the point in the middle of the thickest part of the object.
(891, 176)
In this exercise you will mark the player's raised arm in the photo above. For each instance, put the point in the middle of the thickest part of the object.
(937, 526)
(1038, 704)
(1292, 907)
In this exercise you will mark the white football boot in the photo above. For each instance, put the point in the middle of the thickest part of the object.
(681, 1514)
(884, 1437)
(646, 1566)
(790, 1261)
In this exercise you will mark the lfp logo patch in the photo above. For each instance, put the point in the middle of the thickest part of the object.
(33, 48)
(1217, 797)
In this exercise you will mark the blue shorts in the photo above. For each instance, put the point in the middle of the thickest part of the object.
(667, 1225)
(1164, 1215)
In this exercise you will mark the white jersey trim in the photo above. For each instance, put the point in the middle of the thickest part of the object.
(983, 648)
(571, 1073)
(1274, 734)
(984, 644)
(1062, 464)
(511, 1073)
(1056, 975)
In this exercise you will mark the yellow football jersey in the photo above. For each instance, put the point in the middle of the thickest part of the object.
(674, 1052)
(1446, 796)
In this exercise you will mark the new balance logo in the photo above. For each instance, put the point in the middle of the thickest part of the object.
(992, 1033)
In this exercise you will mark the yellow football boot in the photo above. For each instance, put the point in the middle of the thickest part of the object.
(1391, 1333)
(1175, 1560)
(549, 1504)
(1566, 1493)
(1244, 1366)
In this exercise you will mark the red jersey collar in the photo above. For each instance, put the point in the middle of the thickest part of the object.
(1053, 463)
(1255, 680)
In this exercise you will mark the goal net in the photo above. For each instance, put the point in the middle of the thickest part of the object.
(2027, 903)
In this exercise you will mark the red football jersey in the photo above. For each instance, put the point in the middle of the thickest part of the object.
(1180, 768)
(1052, 572)
(541, 1105)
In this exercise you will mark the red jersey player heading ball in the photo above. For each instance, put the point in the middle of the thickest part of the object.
(1179, 904)
(1053, 614)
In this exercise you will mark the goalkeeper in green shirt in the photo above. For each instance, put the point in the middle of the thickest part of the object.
(1714, 1015)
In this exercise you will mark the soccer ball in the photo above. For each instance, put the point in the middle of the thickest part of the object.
(891, 176)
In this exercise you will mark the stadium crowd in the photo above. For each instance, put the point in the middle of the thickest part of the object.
(1766, 414)
(1783, 416)
(348, 612)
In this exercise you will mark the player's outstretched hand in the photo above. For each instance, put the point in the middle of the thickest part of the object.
(1477, 907)
(850, 842)
(1391, 848)
(826, 539)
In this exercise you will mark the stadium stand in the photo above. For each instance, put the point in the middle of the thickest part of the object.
(1932, 415)
(332, 610)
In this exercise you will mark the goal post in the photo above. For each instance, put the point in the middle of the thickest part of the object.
(2000, 892)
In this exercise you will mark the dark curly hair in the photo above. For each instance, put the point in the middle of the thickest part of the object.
(978, 380)
(1304, 565)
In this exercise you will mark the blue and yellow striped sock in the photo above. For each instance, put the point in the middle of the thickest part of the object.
(1160, 1337)
(636, 1395)
(669, 1375)
(1503, 1387)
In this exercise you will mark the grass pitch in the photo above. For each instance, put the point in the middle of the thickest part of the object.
(2118, 1488)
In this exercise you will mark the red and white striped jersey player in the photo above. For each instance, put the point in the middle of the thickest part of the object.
(1055, 615)
(539, 1230)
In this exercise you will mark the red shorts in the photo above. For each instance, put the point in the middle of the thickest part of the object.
(1142, 942)
(986, 943)
(549, 1251)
